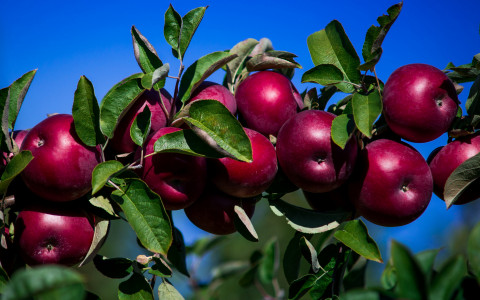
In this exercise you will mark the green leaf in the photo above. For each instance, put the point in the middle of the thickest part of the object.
(473, 251)
(244, 225)
(268, 266)
(117, 267)
(473, 102)
(332, 46)
(166, 291)
(102, 173)
(145, 54)
(141, 126)
(135, 288)
(389, 277)
(18, 90)
(200, 70)
(310, 254)
(272, 60)
(86, 114)
(426, 260)
(372, 47)
(45, 283)
(190, 24)
(6, 142)
(306, 220)
(172, 27)
(14, 168)
(205, 244)
(411, 282)
(104, 205)
(160, 268)
(361, 294)
(147, 216)
(366, 109)
(234, 67)
(116, 102)
(354, 234)
(185, 142)
(342, 129)
(292, 256)
(466, 173)
(177, 254)
(100, 236)
(229, 269)
(156, 78)
(214, 123)
(448, 278)
(3, 279)
(323, 74)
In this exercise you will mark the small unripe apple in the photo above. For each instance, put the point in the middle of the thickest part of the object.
(266, 100)
(445, 160)
(214, 211)
(61, 169)
(214, 91)
(419, 102)
(392, 183)
(121, 141)
(246, 179)
(309, 157)
(178, 179)
(53, 234)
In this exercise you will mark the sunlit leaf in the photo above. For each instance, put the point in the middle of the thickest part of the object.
(102, 173)
(342, 129)
(14, 168)
(366, 110)
(460, 179)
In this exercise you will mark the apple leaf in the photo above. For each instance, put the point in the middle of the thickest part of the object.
(234, 67)
(372, 47)
(160, 268)
(177, 254)
(465, 174)
(14, 168)
(172, 27)
(411, 282)
(185, 142)
(366, 109)
(103, 204)
(197, 72)
(117, 267)
(244, 225)
(86, 114)
(306, 220)
(135, 288)
(116, 102)
(45, 283)
(100, 235)
(145, 214)
(448, 278)
(141, 126)
(229, 269)
(156, 78)
(4, 279)
(343, 127)
(292, 256)
(268, 265)
(214, 123)
(473, 102)
(332, 46)
(389, 276)
(354, 234)
(145, 54)
(168, 292)
(473, 251)
(272, 60)
(426, 260)
(263, 46)
(18, 90)
(202, 245)
(324, 74)
(103, 172)
(310, 254)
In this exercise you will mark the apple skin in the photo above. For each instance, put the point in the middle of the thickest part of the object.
(419, 102)
(392, 184)
(243, 179)
(61, 169)
(53, 234)
(214, 91)
(444, 160)
(121, 141)
(178, 179)
(266, 100)
(214, 211)
(309, 157)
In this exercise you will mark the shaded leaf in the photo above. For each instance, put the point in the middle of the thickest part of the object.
(228, 269)
(342, 129)
(272, 60)
(14, 168)
(177, 253)
(268, 265)
(99, 237)
(103, 172)
(136, 288)
(354, 234)
(156, 78)
(160, 268)
(366, 110)
(205, 244)
(310, 254)
(242, 50)
(3, 279)
(473, 251)
(426, 260)
(466, 173)
(141, 126)
(389, 277)
(292, 256)
(104, 205)
(166, 291)
(473, 102)
(117, 267)
(145, 54)
(244, 225)
(448, 278)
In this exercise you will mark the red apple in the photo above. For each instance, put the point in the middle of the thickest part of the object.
(214, 91)
(121, 141)
(419, 102)
(336, 200)
(178, 179)
(246, 179)
(392, 183)
(61, 169)
(309, 157)
(445, 160)
(48, 234)
(266, 101)
(214, 211)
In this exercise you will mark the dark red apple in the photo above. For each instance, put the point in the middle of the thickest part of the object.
(392, 184)
(246, 179)
(419, 102)
(445, 160)
(309, 157)
(214, 211)
(61, 169)
(178, 179)
(121, 141)
(266, 100)
(214, 91)
(53, 234)
(336, 200)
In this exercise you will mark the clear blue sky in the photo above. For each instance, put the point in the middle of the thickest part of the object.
(66, 39)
